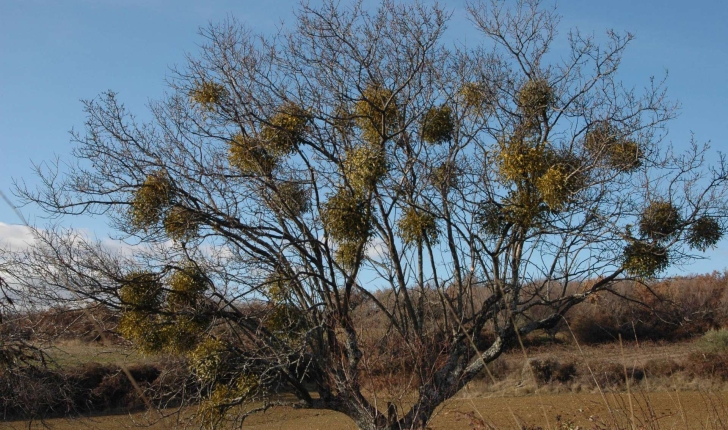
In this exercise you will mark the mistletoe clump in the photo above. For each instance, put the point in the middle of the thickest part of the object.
(417, 225)
(492, 218)
(437, 125)
(523, 207)
(290, 199)
(140, 296)
(346, 217)
(181, 223)
(620, 153)
(660, 221)
(704, 233)
(534, 99)
(250, 156)
(186, 287)
(520, 159)
(348, 253)
(376, 114)
(364, 166)
(644, 260)
(561, 181)
(224, 397)
(285, 130)
(141, 291)
(150, 200)
(208, 94)
(476, 96)
(208, 359)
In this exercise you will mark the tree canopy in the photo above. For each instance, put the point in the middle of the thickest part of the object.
(311, 206)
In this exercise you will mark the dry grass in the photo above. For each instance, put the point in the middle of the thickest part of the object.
(75, 352)
(660, 410)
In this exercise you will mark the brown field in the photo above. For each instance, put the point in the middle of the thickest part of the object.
(657, 410)
(514, 401)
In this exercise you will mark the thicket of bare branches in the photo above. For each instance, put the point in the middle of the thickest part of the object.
(284, 179)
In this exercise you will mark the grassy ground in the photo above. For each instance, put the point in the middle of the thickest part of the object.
(515, 401)
(72, 352)
(659, 410)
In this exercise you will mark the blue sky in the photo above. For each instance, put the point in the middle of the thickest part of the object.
(55, 52)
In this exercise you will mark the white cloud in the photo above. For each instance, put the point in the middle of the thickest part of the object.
(15, 236)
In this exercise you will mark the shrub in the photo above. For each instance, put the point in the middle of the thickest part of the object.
(707, 365)
(714, 341)
(551, 370)
(659, 367)
(609, 374)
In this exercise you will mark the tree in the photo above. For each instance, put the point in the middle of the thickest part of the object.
(353, 194)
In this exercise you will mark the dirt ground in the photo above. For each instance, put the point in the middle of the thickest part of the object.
(657, 410)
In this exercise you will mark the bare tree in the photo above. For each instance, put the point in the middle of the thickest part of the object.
(355, 190)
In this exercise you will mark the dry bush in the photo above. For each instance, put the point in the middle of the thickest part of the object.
(32, 392)
(92, 324)
(711, 365)
(550, 370)
(670, 310)
(608, 374)
(662, 367)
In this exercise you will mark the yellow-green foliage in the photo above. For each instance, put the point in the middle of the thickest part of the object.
(181, 223)
(180, 335)
(376, 113)
(437, 125)
(140, 328)
(346, 217)
(626, 155)
(606, 140)
(416, 225)
(276, 287)
(141, 291)
(290, 199)
(186, 287)
(705, 232)
(534, 99)
(208, 94)
(553, 186)
(644, 260)
(364, 166)
(347, 253)
(523, 207)
(284, 131)
(285, 320)
(150, 200)
(208, 359)
(250, 156)
(223, 397)
(476, 96)
(492, 218)
(660, 221)
(521, 159)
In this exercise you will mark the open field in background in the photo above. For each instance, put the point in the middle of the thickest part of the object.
(75, 352)
(677, 374)
(518, 398)
(660, 410)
